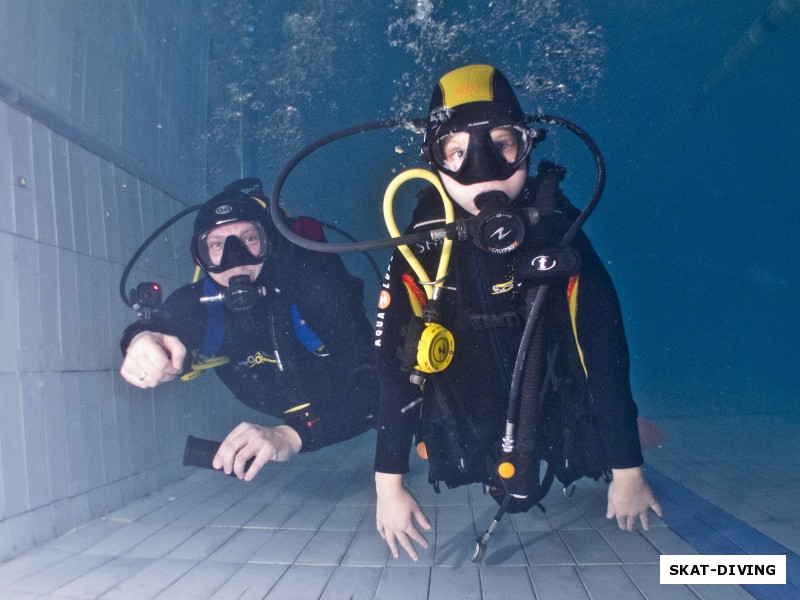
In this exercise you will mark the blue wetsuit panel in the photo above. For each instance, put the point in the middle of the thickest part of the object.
(215, 323)
(304, 334)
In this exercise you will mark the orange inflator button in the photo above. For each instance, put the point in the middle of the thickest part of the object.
(506, 470)
(422, 450)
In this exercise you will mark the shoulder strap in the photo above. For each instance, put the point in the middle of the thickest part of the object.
(548, 176)
(215, 323)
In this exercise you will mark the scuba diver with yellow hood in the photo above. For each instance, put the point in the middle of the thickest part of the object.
(479, 141)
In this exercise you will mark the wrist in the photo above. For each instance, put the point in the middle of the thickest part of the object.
(291, 436)
(627, 474)
(388, 483)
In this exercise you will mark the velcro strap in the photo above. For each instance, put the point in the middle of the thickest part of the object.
(511, 318)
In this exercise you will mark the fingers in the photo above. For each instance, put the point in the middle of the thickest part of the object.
(406, 538)
(645, 516)
(176, 351)
(134, 375)
(152, 359)
(262, 444)
(240, 460)
(611, 513)
(402, 537)
(656, 508)
(136, 369)
(395, 516)
(420, 517)
(162, 355)
(393, 537)
(226, 456)
(630, 498)
(259, 461)
(142, 377)
(415, 535)
(390, 539)
(627, 523)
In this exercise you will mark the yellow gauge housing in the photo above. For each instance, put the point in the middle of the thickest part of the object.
(435, 349)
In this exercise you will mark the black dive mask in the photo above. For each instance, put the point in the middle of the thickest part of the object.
(499, 227)
(251, 250)
(483, 151)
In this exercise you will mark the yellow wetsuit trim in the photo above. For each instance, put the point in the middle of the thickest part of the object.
(572, 298)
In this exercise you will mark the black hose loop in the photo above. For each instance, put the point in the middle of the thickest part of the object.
(599, 162)
(275, 196)
(123, 292)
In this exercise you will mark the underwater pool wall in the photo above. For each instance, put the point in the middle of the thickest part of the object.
(102, 110)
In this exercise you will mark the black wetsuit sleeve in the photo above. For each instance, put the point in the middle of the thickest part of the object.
(330, 300)
(396, 427)
(601, 335)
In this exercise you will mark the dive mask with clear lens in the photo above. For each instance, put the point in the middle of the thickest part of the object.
(483, 151)
(217, 254)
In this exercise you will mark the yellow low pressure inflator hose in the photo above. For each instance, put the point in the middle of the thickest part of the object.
(436, 345)
(449, 214)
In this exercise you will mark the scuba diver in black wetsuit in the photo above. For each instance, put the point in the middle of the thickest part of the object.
(290, 322)
(477, 140)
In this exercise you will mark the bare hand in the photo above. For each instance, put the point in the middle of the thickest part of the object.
(258, 442)
(630, 497)
(393, 515)
(152, 358)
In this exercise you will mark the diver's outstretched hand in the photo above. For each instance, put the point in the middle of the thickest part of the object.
(152, 358)
(259, 442)
(629, 497)
(393, 515)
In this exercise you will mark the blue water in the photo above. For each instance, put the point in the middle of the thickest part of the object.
(698, 218)
(105, 135)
